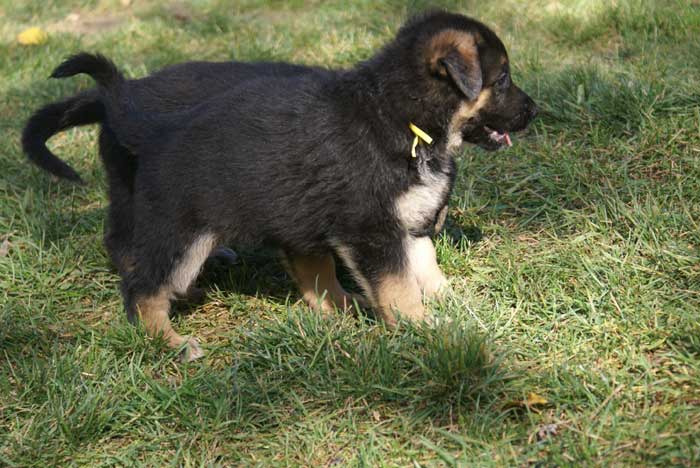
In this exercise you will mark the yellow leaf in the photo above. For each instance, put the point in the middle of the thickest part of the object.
(533, 399)
(32, 36)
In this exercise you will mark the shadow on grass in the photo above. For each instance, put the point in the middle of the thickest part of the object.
(422, 370)
(257, 272)
(283, 374)
(286, 368)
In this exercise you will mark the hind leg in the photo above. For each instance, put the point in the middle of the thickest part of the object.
(152, 310)
(121, 166)
(118, 236)
(316, 278)
(164, 270)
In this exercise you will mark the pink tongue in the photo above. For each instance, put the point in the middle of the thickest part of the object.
(508, 142)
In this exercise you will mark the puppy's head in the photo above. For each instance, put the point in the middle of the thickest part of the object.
(466, 70)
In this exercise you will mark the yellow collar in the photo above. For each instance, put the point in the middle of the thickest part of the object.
(420, 135)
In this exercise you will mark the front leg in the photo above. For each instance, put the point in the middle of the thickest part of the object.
(382, 267)
(399, 295)
(318, 283)
(422, 261)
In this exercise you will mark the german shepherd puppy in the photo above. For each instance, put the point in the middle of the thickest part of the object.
(171, 89)
(354, 163)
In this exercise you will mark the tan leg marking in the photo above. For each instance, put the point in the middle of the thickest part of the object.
(154, 310)
(153, 313)
(318, 283)
(423, 265)
(400, 295)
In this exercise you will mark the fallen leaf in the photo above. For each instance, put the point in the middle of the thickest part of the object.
(533, 399)
(32, 36)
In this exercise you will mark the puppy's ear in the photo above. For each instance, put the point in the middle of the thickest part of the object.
(467, 76)
(454, 55)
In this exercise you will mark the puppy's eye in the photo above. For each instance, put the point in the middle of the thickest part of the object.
(502, 81)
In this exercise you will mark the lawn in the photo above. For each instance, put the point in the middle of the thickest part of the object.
(574, 257)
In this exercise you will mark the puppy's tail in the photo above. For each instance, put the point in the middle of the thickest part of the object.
(99, 67)
(121, 113)
(82, 109)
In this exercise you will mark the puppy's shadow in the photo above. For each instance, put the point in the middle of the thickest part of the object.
(457, 234)
(250, 273)
(255, 273)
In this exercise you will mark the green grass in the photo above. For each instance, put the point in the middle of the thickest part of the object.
(574, 255)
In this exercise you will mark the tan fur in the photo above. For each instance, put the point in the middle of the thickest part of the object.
(441, 218)
(465, 112)
(451, 39)
(422, 262)
(465, 43)
(399, 295)
(318, 283)
(154, 310)
(191, 263)
(153, 314)
(402, 294)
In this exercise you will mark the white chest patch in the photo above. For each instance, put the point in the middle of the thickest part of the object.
(420, 204)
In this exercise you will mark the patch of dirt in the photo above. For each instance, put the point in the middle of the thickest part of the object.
(88, 23)
(92, 22)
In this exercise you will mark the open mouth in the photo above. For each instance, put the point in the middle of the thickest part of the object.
(489, 138)
(497, 137)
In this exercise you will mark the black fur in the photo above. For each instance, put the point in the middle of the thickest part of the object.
(169, 90)
(82, 109)
(308, 163)
(468, 81)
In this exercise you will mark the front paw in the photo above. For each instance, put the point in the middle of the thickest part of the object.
(192, 351)
(436, 287)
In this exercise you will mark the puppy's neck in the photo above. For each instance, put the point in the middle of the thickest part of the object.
(392, 99)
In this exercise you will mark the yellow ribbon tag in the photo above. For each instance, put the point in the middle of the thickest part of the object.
(420, 135)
